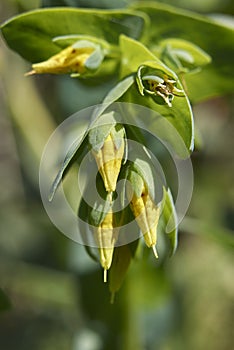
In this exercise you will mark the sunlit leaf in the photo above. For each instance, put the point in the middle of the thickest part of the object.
(214, 38)
(31, 34)
(135, 54)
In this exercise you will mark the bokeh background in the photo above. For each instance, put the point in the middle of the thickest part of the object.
(51, 292)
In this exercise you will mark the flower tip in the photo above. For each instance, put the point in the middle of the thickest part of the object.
(155, 251)
(105, 276)
(32, 72)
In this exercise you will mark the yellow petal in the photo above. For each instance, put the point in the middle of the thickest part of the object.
(106, 236)
(109, 161)
(69, 60)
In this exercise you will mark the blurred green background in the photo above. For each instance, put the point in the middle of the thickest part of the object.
(51, 293)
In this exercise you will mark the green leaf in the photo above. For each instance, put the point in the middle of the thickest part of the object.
(66, 162)
(110, 98)
(94, 212)
(31, 34)
(114, 94)
(135, 54)
(118, 91)
(212, 37)
(140, 171)
(99, 208)
(118, 135)
(103, 126)
(86, 3)
(136, 180)
(168, 219)
(100, 130)
(67, 40)
(120, 264)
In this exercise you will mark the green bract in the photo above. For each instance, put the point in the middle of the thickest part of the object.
(214, 38)
(138, 60)
(160, 87)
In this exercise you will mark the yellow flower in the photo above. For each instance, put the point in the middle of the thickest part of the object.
(106, 236)
(71, 60)
(144, 209)
(109, 158)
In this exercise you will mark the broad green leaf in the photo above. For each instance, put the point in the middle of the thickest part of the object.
(173, 125)
(180, 133)
(133, 55)
(67, 40)
(168, 220)
(213, 37)
(86, 3)
(31, 34)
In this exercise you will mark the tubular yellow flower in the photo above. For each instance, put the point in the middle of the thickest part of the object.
(145, 211)
(109, 159)
(71, 60)
(106, 236)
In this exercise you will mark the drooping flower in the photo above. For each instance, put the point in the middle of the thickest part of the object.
(106, 236)
(145, 210)
(109, 153)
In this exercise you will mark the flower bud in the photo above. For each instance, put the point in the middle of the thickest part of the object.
(144, 209)
(72, 60)
(109, 155)
(106, 236)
